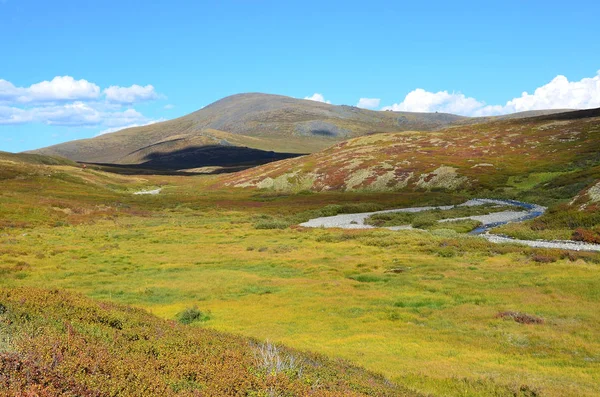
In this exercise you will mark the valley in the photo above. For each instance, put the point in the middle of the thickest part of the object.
(299, 199)
(425, 309)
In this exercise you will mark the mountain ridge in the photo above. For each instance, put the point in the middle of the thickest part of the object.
(263, 122)
(466, 157)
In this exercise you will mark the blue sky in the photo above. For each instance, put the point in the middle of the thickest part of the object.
(164, 59)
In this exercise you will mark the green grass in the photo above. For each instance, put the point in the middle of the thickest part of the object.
(429, 219)
(528, 182)
(419, 307)
(334, 295)
(461, 226)
(66, 344)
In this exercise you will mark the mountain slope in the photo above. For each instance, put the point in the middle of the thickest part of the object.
(85, 348)
(258, 121)
(472, 157)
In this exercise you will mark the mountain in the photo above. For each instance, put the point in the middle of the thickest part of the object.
(478, 157)
(245, 130)
(271, 126)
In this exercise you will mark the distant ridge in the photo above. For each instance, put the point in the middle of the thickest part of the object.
(256, 124)
(473, 157)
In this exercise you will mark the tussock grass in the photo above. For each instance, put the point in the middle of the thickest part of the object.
(427, 219)
(69, 345)
(431, 327)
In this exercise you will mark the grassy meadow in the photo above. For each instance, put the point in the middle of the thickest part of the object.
(425, 309)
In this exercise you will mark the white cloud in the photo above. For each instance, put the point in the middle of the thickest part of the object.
(420, 100)
(169, 106)
(123, 127)
(368, 103)
(60, 88)
(70, 114)
(8, 92)
(12, 115)
(65, 101)
(560, 93)
(135, 93)
(66, 88)
(317, 97)
(78, 114)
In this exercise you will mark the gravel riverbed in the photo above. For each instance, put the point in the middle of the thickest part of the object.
(489, 221)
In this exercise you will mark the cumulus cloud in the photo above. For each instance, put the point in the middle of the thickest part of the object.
(560, 93)
(135, 93)
(65, 101)
(8, 91)
(368, 103)
(420, 100)
(12, 115)
(66, 88)
(317, 98)
(60, 88)
(123, 127)
(71, 114)
(63, 88)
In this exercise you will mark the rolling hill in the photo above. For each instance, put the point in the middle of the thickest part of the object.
(247, 130)
(479, 157)
(243, 129)
(86, 348)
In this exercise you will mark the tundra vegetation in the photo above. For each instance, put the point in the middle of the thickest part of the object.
(206, 289)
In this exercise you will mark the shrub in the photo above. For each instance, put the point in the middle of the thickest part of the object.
(586, 235)
(73, 351)
(542, 258)
(273, 360)
(191, 315)
(369, 278)
(336, 237)
(271, 224)
(423, 221)
(521, 318)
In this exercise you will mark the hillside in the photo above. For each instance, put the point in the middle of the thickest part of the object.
(85, 348)
(492, 156)
(248, 130)
(227, 259)
(39, 189)
(266, 123)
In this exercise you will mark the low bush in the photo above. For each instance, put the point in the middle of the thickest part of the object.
(586, 235)
(461, 226)
(191, 315)
(271, 224)
(521, 318)
(369, 278)
(544, 258)
(74, 351)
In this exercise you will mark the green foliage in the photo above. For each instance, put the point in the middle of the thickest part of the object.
(271, 224)
(430, 325)
(369, 278)
(428, 219)
(424, 220)
(461, 226)
(74, 350)
(191, 315)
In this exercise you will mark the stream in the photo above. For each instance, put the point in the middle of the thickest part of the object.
(488, 222)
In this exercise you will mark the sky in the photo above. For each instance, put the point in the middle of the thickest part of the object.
(72, 69)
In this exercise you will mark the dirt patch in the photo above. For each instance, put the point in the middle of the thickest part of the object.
(521, 318)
